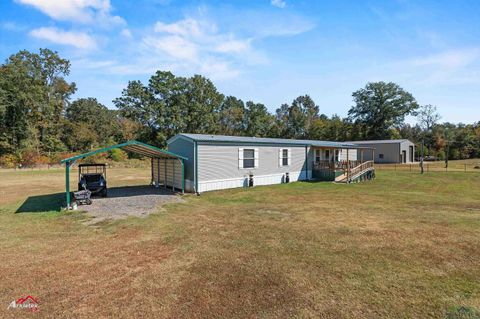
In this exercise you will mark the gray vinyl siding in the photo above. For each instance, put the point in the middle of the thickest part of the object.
(185, 148)
(217, 162)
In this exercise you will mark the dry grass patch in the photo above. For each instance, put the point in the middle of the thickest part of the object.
(402, 246)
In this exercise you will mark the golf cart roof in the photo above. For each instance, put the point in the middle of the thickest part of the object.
(87, 165)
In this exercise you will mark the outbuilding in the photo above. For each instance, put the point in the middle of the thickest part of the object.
(390, 151)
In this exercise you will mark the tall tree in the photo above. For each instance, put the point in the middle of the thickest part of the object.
(231, 116)
(428, 116)
(96, 117)
(170, 105)
(297, 119)
(258, 120)
(203, 102)
(33, 94)
(380, 107)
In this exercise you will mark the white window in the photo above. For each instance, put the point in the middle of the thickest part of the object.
(337, 155)
(327, 155)
(248, 157)
(317, 156)
(284, 157)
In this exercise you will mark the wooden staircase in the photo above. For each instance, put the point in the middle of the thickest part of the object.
(362, 172)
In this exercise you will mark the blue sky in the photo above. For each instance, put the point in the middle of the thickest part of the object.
(267, 51)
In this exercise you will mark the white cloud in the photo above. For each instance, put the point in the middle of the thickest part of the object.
(13, 26)
(196, 46)
(187, 27)
(77, 39)
(233, 46)
(126, 33)
(278, 3)
(83, 11)
(176, 47)
(448, 60)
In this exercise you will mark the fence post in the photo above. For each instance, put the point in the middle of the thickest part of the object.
(465, 168)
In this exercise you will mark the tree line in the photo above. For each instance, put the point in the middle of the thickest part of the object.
(40, 123)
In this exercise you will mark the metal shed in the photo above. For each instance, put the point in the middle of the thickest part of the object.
(167, 168)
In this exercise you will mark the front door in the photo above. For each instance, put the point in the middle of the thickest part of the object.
(404, 156)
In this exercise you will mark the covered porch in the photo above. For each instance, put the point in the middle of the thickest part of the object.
(345, 164)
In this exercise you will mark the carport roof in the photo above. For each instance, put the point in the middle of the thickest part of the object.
(130, 146)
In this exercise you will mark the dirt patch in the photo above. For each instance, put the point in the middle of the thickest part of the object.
(139, 201)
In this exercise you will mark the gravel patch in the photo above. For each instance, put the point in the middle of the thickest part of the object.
(139, 201)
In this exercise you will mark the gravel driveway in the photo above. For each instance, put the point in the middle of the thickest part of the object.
(127, 201)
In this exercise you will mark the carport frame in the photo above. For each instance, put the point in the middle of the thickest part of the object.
(130, 146)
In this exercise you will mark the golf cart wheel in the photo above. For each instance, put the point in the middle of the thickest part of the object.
(89, 202)
(104, 193)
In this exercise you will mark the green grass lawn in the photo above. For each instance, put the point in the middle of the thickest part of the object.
(402, 246)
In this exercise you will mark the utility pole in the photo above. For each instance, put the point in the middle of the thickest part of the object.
(421, 157)
(446, 154)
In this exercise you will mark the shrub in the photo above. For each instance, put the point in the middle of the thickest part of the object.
(117, 155)
(462, 313)
(96, 159)
(8, 161)
(57, 157)
(31, 157)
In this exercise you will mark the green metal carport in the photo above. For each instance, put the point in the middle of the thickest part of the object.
(167, 168)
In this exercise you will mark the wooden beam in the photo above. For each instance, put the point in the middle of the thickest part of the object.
(348, 167)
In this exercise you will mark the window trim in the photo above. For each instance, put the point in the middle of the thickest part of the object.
(281, 157)
(241, 158)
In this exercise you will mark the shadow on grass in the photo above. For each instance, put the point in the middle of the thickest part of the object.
(138, 190)
(54, 202)
(42, 203)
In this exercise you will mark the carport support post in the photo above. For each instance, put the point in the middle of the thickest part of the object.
(165, 171)
(67, 183)
(173, 174)
(183, 176)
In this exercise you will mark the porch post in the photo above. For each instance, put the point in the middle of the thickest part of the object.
(348, 167)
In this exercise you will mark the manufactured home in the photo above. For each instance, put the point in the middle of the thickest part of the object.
(390, 151)
(215, 162)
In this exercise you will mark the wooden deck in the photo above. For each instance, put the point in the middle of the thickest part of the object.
(343, 171)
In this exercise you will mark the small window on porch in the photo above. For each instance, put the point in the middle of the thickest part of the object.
(337, 155)
(317, 156)
(327, 155)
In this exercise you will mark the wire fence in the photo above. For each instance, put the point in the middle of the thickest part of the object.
(432, 167)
